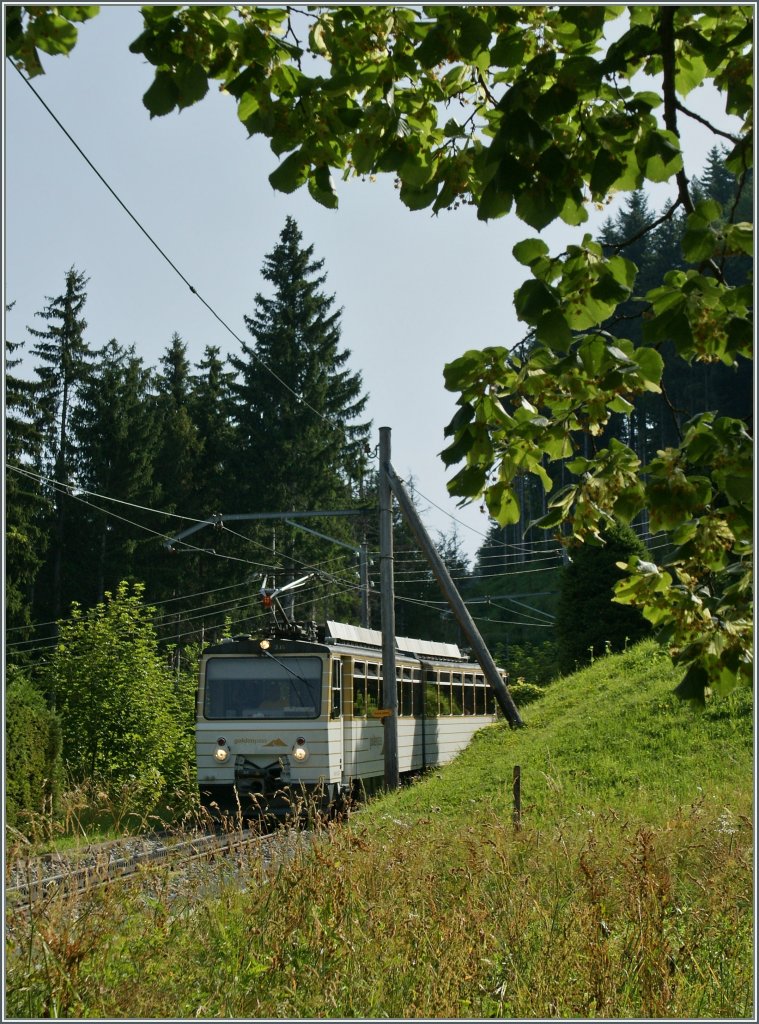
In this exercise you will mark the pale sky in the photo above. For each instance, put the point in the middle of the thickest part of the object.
(416, 290)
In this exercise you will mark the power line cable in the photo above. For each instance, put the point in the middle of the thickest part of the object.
(155, 244)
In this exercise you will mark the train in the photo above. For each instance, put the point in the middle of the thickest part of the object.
(284, 719)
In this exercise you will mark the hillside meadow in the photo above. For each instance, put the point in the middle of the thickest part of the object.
(625, 890)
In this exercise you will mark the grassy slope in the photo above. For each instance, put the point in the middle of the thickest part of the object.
(626, 893)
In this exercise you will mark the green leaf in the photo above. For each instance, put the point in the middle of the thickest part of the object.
(532, 300)
(469, 482)
(291, 173)
(162, 96)
(418, 198)
(740, 238)
(538, 207)
(659, 156)
(650, 363)
(322, 187)
(462, 371)
(502, 504)
(509, 49)
(416, 171)
(620, 405)
(192, 83)
(553, 330)
(528, 250)
(550, 519)
(691, 71)
(494, 202)
(53, 34)
(592, 351)
(247, 106)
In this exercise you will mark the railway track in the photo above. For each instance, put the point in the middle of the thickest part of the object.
(39, 879)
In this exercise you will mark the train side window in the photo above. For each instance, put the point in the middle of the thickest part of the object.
(416, 692)
(430, 694)
(457, 694)
(487, 695)
(479, 697)
(406, 701)
(373, 688)
(469, 696)
(444, 706)
(489, 700)
(359, 689)
(337, 690)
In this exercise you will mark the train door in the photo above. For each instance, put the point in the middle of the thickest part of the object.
(336, 721)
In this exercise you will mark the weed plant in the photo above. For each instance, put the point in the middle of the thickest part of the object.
(624, 892)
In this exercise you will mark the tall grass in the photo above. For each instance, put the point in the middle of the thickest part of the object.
(626, 892)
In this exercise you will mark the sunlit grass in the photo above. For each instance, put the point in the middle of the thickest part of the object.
(626, 892)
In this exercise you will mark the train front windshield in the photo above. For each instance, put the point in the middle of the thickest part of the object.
(263, 688)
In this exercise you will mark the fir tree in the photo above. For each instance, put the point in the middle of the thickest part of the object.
(211, 411)
(295, 400)
(114, 426)
(177, 467)
(25, 503)
(298, 444)
(64, 366)
(179, 446)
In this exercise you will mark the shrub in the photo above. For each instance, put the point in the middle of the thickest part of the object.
(32, 751)
(537, 663)
(525, 693)
(119, 702)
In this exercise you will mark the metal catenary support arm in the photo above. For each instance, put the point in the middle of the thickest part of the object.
(460, 610)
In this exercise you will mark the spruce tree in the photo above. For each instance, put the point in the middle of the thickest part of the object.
(179, 445)
(25, 503)
(299, 441)
(177, 467)
(115, 432)
(64, 366)
(211, 412)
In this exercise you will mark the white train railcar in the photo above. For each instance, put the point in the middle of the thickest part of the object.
(280, 717)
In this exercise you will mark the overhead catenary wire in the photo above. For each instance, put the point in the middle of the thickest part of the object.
(229, 329)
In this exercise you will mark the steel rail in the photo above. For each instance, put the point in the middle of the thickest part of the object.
(78, 879)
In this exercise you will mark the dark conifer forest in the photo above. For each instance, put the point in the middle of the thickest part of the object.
(108, 459)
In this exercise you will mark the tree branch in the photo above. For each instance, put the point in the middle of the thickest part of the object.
(667, 215)
(667, 38)
(707, 124)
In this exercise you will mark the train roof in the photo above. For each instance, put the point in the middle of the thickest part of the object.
(341, 634)
(360, 636)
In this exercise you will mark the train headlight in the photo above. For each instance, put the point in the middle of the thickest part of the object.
(300, 751)
(221, 753)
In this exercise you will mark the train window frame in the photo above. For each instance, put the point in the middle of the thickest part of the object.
(373, 687)
(417, 705)
(445, 684)
(431, 692)
(229, 688)
(359, 689)
(336, 689)
(405, 696)
(480, 702)
(457, 694)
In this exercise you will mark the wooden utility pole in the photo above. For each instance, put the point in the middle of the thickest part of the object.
(387, 606)
(460, 610)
